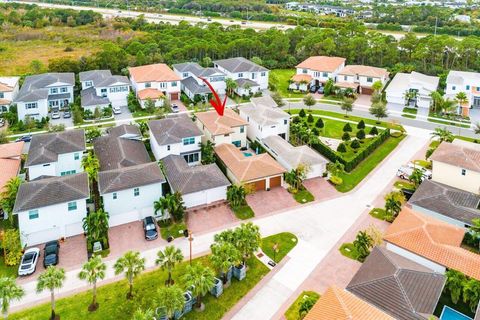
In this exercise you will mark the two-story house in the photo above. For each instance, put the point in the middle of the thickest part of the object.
(155, 82)
(316, 71)
(56, 154)
(467, 82)
(193, 85)
(42, 92)
(265, 118)
(9, 87)
(362, 77)
(128, 181)
(229, 128)
(412, 89)
(178, 136)
(249, 76)
(51, 208)
(100, 89)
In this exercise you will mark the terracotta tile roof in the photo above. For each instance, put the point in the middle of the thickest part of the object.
(150, 93)
(322, 63)
(457, 155)
(159, 72)
(5, 88)
(338, 304)
(297, 78)
(11, 150)
(4, 102)
(367, 71)
(217, 125)
(347, 85)
(10, 168)
(434, 240)
(248, 168)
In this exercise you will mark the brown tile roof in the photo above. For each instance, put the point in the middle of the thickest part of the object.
(297, 78)
(457, 155)
(217, 125)
(9, 161)
(5, 88)
(247, 169)
(150, 93)
(338, 304)
(366, 71)
(434, 240)
(159, 72)
(347, 85)
(322, 63)
(11, 150)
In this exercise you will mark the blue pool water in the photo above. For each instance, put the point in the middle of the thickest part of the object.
(247, 154)
(450, 314)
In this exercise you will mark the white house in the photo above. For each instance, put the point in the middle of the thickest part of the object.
(467, 82)
(229, 128)
(56, 154)
(199, 185)
(155, 82)
(42, 92)
(177, 136)
(193, 85)
(265, 118)
(316, 71)
(418, 84)
(9, 87)
(250, 77)
(100, 89)
(51, 208)
(362, 77)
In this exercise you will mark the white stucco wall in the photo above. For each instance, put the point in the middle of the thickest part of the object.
(257, 131)
(168, 86)
(205, 197)
(36, 113)
(163, 151)
(452, 176)
(418, 259)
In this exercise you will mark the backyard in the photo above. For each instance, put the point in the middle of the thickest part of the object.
(280, 78)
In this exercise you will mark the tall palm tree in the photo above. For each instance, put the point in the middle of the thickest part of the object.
(147, 314)
(9, 195)
(471, 293)
(51, 279)
(236, 195)
(443, 135)
(167, 259)
(95, 225)
(91, 165)
(296, 176)
(436, 99)
(201, 279)
(416, 177)
(231, 85)
(9, 291)
(461, 98)
(393, 204)
(454, 284)
(172, 204)
(132, 265)
(161, 205)
(170, 299)
(92, 271)
(448, 105)
(224, 256)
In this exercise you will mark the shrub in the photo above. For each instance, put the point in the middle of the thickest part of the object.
(310, 118)
(396, 134)
(361, 125)
(336, 180)
(355, 144)
(361, 134)
(319, 124)
(347, 128)
(346, 136)
(315, 131)
(295, 120)
(373, 131)
(341, 148)
(302, 113)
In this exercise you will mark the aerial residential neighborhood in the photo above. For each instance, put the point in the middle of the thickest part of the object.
(254, 160)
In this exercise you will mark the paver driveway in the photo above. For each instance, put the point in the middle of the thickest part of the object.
(209, 219)
(321, 189)
(265, 202)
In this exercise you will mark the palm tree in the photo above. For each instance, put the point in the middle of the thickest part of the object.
(471, 293)
(9, 195)
(132, 265)
(296, 176)
(140, 314)
(461, 98)
(416, 177)
(347, 105)
(377, 86)
(161, 205)
(92, 271)
(95, 225)
(436, 99)
(224, 256)
(393, 204)
(172, 204)
(247, 239)
(201, 279)
(170, 299)
(236, 195)
(231, 85)
(454, 284)
(9, 290)
(51, 279)
(91, 165)
(363, 242)
(167, 259)
(448, 105)
(443, 135)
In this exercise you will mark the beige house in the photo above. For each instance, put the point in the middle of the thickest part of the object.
(457, 164)
(229, 128)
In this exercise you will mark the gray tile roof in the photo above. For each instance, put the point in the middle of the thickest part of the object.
(102, 78)
(197, 70)
(192, 85)
(186, 179)
(402, 288)
(89, 98)
(242, 83)
(45, 148)
(264, 112)
(58, 96)
(239, 64)
(53, 190)
(33, 87)
(173, 130)
(448, 201)
(125, 130)
(130, 177)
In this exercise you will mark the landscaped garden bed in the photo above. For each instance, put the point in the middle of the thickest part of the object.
(243, 212)
(302, 305)
(277, 246)
(378, 213)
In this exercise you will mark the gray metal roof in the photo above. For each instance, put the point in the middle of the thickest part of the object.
(89, 98)
(102, 78)
(52, 190)
(130, 177)
(34, 87)
(402, 288)
(192, 85)
(45, 148)
(173, 130)
(239, 64)
(189, 179)
(448, 201)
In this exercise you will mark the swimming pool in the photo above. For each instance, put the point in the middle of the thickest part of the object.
(247, 154)
(451, 314)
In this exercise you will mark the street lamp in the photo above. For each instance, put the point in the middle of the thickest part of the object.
(190, 240)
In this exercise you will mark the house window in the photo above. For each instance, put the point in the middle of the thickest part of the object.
(192, 157)
(467, 87)
(76, 156)
(174, 84)
(188, 141)
(478, 88)
(46, 165)
(304, 71)
(263, 74)
(163, 85)
(185, 74)
(63, 89)
(53, 90)
(103, 92)
(72, 206)
(242, 129)
(324, 74)
(31, 105)
(369, 79)
(114, 196)
(253, 75)
(32, 214)
(2, 95)
(168, 148)
(464, 172)
(148, 84)
(345, 78)
(66, 173)
(136, 192)
(454, 88)
(285, 121)
(237, 143)
(88, 83)
(240, 75)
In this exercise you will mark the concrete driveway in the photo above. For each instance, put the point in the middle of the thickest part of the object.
(68, 122)
(363, 101)
(126, 114)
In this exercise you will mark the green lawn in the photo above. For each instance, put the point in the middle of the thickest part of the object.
(434, 144)
(449, 123)
(378, 213)
(350, 180)
(244, 212)
(423, 163)
(282, 76)
(114, 305)
(7, 271)
(404, 185)
(468, 139)
(292, 312)
(348, 250)
(286, 241)
(303, 196)
(409, 113)
(168, 228)
(460, 306)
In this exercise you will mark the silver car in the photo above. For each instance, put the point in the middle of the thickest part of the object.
(29, 262)
(56, 114)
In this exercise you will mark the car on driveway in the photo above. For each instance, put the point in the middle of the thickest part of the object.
(55, 114)
(150, 228)
(116, 110)
(424, 170)
(175, 108)
(29, 262)
(405, 172)
(67, 114)
(313, 89)
(50, 253)
(320, 90)
(24, 138)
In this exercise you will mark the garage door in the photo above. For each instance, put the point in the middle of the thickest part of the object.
(275, 182)
(259, 185)
(174, 96)
(119, 103)
(118, 219)
(73, 229)
(43, 236)
(366, 90)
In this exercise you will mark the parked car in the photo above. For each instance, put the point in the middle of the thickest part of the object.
(50, 253)
(150, 228)
(55, 114)
(244, 22)
(209, 19)
(117, 110)
(313, 89)
(29, 262)
(2, 122)
(425, 171)
(320, 90)
(67, 114)
(175, 108)
(24, 138)
(405, 172)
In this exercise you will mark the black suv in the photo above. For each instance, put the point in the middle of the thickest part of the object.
(150, 228)
(50, 256)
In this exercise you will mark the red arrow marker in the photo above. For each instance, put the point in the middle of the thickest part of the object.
(217, 103)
